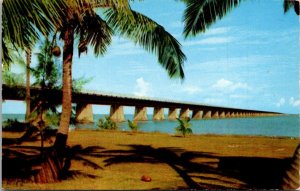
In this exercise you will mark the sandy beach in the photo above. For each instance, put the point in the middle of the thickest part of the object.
(117, 160)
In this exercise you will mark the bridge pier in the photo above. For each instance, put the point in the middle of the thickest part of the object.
(172, 114)
(227, 115)
(140, 114)
(117, 113)
(84, 113)
(206, 114)
(197, 114)
(184, 113)
(222, 114)
(215, 114)
(158, 114)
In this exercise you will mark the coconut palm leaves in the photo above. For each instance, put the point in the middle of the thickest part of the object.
(200, 15)
(151, 36)
(184, 126)
(288, 4)
(24, 20)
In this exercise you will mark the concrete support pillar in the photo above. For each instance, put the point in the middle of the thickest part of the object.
(140, 114)
(215, 114)
(117, 113)
(227, 114)
(172, 114)
(233, 114)
(206, 114)
(84, 113)
(184, 113)
(158, 114)
(197, 114)
(222, 114)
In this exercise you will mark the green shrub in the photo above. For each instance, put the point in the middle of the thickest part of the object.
(184, 126)
(13, 125)
(107, 123)
(133, 125)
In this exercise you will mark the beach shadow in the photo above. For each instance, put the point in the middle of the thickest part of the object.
(168, 155)
(200, 170)
(23, 163)
(257, 172)
(31, 134)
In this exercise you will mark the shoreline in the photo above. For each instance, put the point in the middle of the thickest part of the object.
(284, 126)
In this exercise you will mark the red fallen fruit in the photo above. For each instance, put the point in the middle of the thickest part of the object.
(56, 51)
(146, 178)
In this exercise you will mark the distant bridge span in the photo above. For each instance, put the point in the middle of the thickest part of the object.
(85, 99)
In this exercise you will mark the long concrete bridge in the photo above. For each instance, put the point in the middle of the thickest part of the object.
(85, 100)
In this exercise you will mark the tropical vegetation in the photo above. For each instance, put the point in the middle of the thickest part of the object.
(200, 15)
(133, 125)
(107, 124)
(184, 126)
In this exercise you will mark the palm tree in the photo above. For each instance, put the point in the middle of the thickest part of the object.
(78, 17)
(184, 126)
(94, 31)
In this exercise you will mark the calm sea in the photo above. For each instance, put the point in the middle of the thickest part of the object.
(287, 126)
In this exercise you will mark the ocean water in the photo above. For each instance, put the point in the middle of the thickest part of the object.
(283, 126)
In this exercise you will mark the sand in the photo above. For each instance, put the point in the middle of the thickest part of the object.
(117, 160)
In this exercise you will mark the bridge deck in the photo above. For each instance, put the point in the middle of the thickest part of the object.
(18, 93)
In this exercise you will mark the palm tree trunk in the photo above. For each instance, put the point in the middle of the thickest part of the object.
(27, 96)
(62, 134)
(56, 165)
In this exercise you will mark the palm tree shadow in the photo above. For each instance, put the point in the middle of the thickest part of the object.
(167, 155)
(257, 172)
(24, 163)
(212, 171)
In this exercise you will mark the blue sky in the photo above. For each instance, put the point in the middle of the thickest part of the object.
(249, 59)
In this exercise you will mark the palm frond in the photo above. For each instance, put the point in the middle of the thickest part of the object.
(94, 31)
(6, 55)
(151, 36)
(200, 15)
(24, 21)
(287, 4)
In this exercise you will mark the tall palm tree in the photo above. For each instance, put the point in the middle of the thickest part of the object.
(95, 31)
(78, 17)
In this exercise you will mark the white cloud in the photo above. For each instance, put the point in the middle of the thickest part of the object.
(280, 102)
(191, 89)
(142, 87)
(295, 103)
(209, 41)
(216, 31)
(226, 85)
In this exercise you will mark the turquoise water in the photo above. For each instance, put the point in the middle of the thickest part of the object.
(287, 126)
